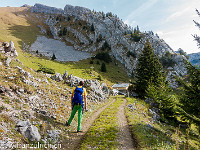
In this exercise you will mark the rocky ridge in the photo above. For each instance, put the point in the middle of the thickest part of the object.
(109, 29)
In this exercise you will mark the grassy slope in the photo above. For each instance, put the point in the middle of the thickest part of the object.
(161, 136)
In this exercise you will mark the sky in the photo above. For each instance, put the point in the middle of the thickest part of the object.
(172, 20)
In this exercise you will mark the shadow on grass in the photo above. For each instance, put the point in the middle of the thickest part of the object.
(114, 73)
(50, 120)
(26, 34)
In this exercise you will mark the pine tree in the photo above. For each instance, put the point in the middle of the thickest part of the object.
(190, 98)
(64, 31)
(103, 67)
(53, 57)
(148, 70)
(196, 37)
(92, 28)
(161, 95)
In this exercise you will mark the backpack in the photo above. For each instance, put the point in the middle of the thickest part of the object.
(78, 96)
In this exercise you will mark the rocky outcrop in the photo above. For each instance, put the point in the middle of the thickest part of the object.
(8, 49)
(96, 91)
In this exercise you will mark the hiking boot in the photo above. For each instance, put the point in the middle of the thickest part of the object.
(67, 124)
(79, 131)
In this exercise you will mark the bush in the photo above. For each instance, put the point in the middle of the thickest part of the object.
(136, 37)
(91, 62)
(99, 78)
(167, 60)
(104, 56)
(46, 70)
(133, 54)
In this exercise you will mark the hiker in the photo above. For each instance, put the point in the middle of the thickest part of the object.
(78, 103)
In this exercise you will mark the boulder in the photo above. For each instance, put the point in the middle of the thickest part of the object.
(8, 61)
(65, 75)
(57, 77)
(29, 131)
(32, 133)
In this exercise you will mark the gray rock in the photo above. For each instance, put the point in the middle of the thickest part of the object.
(8, 61)
(44, 112)
(29, 131)
(155, 115)
(150, 126)
(23, 123)
(21, 90)
(2, 89)
(65, 76)
(32, 133)
(131, 106)
(54, 134)
(57, 77)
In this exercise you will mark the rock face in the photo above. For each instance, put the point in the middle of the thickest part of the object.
(112, 30)
(45, 9)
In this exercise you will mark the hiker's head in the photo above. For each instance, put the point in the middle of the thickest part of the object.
(81, 83)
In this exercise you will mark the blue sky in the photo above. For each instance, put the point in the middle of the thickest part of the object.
(171, 19)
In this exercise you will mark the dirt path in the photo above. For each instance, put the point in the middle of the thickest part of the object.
(126, 141)
(75, 138)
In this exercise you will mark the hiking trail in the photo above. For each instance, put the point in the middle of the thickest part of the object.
(75, 138)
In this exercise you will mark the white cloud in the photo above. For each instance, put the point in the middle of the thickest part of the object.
(139, 12)
(177, 14)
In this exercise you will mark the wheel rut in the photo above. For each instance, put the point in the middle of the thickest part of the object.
(126, 142)
(74, 141)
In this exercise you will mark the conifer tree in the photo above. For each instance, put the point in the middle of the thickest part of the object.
(53, 57)
(148, 70)
(196, 37)
(64, 31)
(190, 99)
(161, 95)
(103, 67)
(92, 28)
